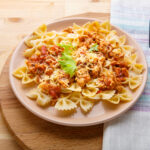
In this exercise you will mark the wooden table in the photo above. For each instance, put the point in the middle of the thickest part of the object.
(19, 17)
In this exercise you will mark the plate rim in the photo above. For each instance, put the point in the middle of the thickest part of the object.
(68, 123)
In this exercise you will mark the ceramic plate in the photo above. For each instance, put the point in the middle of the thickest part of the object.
(101, 112)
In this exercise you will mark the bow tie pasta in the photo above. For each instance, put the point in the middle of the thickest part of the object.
(79, 66)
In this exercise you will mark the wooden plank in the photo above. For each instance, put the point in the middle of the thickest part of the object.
(19, 17)
(34, 133)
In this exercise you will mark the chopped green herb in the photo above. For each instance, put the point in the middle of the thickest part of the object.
(66, 61)
(94, 47)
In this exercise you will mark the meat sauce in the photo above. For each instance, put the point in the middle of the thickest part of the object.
(51, 89)
(47, 61)
(38, 64)
(119, 66)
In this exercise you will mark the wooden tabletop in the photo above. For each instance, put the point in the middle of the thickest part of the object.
(18, 18)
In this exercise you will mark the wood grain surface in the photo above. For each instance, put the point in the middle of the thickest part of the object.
(15, 23)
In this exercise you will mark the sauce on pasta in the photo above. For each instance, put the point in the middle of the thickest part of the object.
(79, 66)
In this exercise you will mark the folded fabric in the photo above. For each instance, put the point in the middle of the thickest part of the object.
(131, 131)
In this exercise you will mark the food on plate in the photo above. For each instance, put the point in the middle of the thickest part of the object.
(79, 66)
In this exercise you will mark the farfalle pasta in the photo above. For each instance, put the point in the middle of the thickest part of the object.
(79, 66)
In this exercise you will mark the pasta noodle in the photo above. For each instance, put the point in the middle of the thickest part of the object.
(19, 73)
(135, 81)
(115, 99)
(43, 99)
(26, 79)
(79, 66)
(85, 105)
(65, 104)
(89, 92)
(107, 94)
(122, 96)
(138, 68)
(33, 94)
(74, 87)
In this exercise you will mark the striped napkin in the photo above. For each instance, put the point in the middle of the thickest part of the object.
(132, 130)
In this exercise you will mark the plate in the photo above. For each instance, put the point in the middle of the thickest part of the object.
(101, 112)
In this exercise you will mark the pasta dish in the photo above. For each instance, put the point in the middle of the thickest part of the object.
(79, 66)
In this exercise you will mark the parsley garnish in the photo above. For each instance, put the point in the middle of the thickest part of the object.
(67, 63)
(94, 47)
